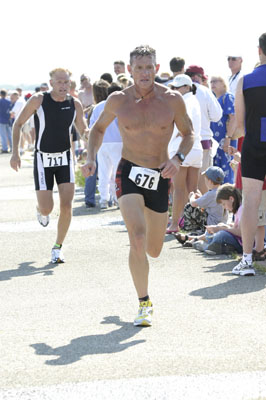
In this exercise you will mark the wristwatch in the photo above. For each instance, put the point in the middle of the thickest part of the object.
(180, 156)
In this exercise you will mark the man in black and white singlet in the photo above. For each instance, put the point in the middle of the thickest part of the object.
(251, 120)
(54, 114)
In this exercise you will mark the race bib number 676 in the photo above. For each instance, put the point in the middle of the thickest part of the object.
(145, 177)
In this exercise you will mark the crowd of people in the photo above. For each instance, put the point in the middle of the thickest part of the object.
(153, 141)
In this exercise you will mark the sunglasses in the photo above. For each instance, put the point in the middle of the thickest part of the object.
(232, 58)
(176, 88)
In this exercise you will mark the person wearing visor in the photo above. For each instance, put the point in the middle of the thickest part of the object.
(186, 178)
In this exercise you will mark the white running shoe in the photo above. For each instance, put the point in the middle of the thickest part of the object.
(144, 317)
(243, 269)
(57, 256)
(104, 205)
(43, 219)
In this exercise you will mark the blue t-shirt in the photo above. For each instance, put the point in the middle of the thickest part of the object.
(5, 107)
(216, 213)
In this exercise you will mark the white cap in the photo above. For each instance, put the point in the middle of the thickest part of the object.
(181, 80)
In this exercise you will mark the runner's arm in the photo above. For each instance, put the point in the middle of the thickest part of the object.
(239, 111)
(184, 126)
(98, 129)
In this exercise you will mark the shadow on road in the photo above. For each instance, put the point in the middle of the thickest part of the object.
(91, 344)
(26, 269)
(236, 285)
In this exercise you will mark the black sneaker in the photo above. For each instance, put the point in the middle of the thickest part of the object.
(89, 205)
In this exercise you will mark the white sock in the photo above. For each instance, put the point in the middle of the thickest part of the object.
(247, 257)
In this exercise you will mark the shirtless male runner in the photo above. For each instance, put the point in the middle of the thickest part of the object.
(146, 114)
(54, 114)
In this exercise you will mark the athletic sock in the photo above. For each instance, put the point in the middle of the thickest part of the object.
(247, 257)
(57, 246)
(146, 298)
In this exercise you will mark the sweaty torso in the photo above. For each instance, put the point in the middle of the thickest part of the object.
(146, 126)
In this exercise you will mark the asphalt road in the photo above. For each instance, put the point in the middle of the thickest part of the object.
(66, 331)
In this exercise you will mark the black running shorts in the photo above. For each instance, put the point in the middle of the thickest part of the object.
(44, 177)
(253, 162)
(156, 200)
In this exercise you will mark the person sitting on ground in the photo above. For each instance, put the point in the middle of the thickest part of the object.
(222, 238)
(194, 218)
(226, 237)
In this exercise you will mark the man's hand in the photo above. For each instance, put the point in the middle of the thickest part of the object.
(88, 169)
(169, 168)
(15, 162)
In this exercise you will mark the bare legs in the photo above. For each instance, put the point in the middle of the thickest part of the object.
(252, 189)
(184, 182)
(146, 230)
(46, 203)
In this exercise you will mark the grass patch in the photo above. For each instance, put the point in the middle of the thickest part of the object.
(260, 267)
(80, 180)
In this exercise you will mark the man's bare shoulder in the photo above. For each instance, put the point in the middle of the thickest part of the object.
(77, 102)
(36, 99)
(119, 96)
(171, 96)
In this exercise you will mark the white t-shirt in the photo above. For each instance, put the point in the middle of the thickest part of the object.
(19, 104)
(112, 133)
(211, 111)
(233, 81)
(193, 110)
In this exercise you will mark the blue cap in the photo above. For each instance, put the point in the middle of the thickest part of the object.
(215, 174)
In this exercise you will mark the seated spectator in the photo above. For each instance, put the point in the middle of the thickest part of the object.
(222, 238)
(203, 209)
(227, 236)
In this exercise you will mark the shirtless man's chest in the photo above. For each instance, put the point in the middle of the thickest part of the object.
(146, 127)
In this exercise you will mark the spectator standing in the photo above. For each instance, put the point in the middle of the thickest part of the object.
(186, 179)
(177, 67)
(5, 129)
(109, 154)
(119, 67)
(235, 64)
(223, 130)
(100, 93)
(211, 111)
(85, 94)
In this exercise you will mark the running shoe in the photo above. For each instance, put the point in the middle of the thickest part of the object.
(200, 245)
(243, 269)
(57, 255)
(43, 219)
(144, 314)
(104, 205)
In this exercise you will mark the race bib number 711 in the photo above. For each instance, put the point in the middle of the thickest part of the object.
(145, 177)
